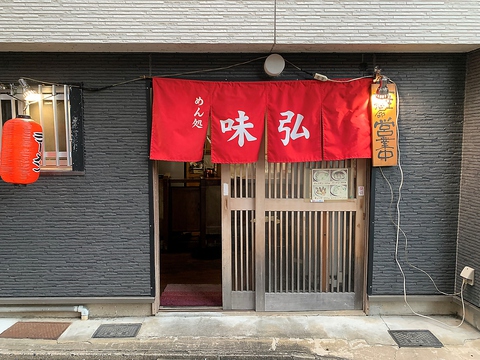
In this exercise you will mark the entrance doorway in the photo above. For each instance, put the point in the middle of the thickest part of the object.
(286, 250)
(272, 245)
(190, 238)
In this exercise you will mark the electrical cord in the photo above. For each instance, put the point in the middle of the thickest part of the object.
(47, 82)
(406, 240)
(349, 80)
(298, 68)
(116, 84)
(321, 77)
(143, 77)
(399, 229)
(398, 210)
(213, 69)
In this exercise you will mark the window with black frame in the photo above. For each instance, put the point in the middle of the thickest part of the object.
(59, 110)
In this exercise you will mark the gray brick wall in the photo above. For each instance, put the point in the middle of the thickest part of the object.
(91, 233)
(430, 124)
(468, 224)
(83, 235)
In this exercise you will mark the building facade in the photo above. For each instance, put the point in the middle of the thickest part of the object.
(89, 235)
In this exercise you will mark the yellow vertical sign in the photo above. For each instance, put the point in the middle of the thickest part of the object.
(384, 127)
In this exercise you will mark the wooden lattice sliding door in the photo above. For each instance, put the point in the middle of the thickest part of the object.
(283, 252)
(238, 236)
(311, 260)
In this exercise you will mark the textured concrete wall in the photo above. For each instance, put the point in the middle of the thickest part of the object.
(91, 232)
(469, 224)
(239, 25)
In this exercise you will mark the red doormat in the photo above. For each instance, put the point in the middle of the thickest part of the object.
(35, 330)
(192, 295)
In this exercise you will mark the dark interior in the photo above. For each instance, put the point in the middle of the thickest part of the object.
(190, 219)
(188, 263)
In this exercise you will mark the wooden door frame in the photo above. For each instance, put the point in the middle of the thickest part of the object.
(260, 234)
(156, 236)
(361, 232)
(226, 242)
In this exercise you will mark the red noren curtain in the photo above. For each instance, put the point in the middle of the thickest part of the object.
(306, 120)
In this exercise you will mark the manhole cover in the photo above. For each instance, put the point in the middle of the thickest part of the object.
(117, 330)
(415, 338)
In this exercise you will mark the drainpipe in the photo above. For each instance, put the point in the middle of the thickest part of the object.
(19, 309)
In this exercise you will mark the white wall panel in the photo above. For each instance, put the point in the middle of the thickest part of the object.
(129, 25)
(239, 25)
(402, 25)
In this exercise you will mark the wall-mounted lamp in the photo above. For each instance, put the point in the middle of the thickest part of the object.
(384, 121)
(382, 80)
(28, 94)
(382, 90)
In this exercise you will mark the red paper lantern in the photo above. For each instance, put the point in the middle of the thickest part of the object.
(21, 150)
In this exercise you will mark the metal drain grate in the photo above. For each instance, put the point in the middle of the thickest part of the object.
(415, 338)
(117, 330)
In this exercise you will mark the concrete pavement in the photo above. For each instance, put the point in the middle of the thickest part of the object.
(244, 335)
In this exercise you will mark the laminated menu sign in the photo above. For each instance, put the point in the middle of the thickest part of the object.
(329, 184)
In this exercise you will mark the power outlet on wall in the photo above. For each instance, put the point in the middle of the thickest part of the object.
(468, 274)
